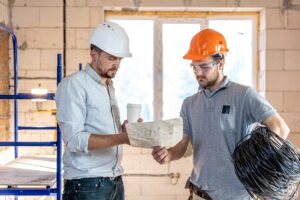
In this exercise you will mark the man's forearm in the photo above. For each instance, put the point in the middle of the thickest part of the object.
(277, 125)
(103, 141)
(178, 150)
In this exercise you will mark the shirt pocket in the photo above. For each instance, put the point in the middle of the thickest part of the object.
(227, 118)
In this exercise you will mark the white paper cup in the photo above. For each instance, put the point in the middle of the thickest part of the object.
(133, 112)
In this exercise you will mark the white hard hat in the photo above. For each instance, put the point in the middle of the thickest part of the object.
(111, 38)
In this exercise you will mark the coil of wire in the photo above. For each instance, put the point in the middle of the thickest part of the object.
(267, 165)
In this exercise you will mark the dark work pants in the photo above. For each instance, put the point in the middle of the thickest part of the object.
(99, 188)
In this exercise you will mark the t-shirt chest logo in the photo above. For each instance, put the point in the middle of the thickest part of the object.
(226, 109)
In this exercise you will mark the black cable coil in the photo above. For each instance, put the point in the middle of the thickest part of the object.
(267, 165)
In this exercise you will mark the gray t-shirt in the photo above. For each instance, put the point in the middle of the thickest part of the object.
(214, 123)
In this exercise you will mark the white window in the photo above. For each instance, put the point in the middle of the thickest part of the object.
(240, 61)
(159, 78)
(134, 80)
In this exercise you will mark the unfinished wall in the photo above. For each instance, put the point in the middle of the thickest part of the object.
(4, 16)
(38, 25)
(279, 66)
(4, 77)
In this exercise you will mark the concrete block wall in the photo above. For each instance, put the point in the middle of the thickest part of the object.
(4, 79)
(38, 25)
(4, 11)
(280, 30)
(82, 17)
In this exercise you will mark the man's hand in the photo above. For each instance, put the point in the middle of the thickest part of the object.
(124, 130)
(124, 133)
(161, 155)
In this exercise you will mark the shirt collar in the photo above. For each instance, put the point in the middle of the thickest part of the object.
(93, 74)
(226, 82)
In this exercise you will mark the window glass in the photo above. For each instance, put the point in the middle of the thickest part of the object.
(134, 80)
(239, 38)
(179, 81)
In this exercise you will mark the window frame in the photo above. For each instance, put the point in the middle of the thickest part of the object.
(159, 18)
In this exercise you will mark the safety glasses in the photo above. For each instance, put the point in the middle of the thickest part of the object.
(203, 67)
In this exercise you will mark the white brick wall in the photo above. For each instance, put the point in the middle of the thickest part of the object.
(295, 138)
(293, 121)
(78, 3)
(287, 39)
(74, 57)
(276, 99)
(282, 47)
(38, 3)
(293, 19)
(96, 16)
(275, 60)
(282, 80)
(256, 3)
(78, 17)
(292, 60)
(82, 38)
(20, 3)
(4, 11)
(275, 18)
(71, 38)
(291, 102)
(51, 16)
(123, 2)
(38, 26)
(26, 16)
(49, 60)
(44, 38)
(29, 59)
(92, 3)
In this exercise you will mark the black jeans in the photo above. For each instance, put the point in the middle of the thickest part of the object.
(99, 188)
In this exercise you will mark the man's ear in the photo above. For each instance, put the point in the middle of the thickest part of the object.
(222, 64)
(93, 54)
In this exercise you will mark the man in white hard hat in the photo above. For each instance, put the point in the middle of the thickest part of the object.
(88, 116)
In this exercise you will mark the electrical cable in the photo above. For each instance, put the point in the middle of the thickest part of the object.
(267, 165)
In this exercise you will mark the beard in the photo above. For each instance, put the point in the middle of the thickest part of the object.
(111, 73)
(108, 73)
(206, 83)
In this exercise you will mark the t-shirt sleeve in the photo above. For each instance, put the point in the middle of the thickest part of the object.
(183, 114)
(258, 108)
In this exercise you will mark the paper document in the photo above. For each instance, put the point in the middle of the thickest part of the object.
(165, 133)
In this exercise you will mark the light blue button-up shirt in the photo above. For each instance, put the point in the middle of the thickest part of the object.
(86, 106)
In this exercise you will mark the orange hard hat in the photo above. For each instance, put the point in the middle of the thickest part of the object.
(205, 44)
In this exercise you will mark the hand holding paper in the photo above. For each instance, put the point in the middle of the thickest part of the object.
(164, 133)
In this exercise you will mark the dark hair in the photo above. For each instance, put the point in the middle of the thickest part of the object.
(218, 57)
(93, 47)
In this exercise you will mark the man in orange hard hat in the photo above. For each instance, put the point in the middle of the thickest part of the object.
(215, 119)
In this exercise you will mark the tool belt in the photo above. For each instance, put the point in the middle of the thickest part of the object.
(194, 189)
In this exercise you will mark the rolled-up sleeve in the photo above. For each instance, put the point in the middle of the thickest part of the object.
(70, 101)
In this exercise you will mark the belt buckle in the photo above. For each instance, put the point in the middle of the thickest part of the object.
(112, 178)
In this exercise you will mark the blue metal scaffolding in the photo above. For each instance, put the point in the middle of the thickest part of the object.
(38, 191)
